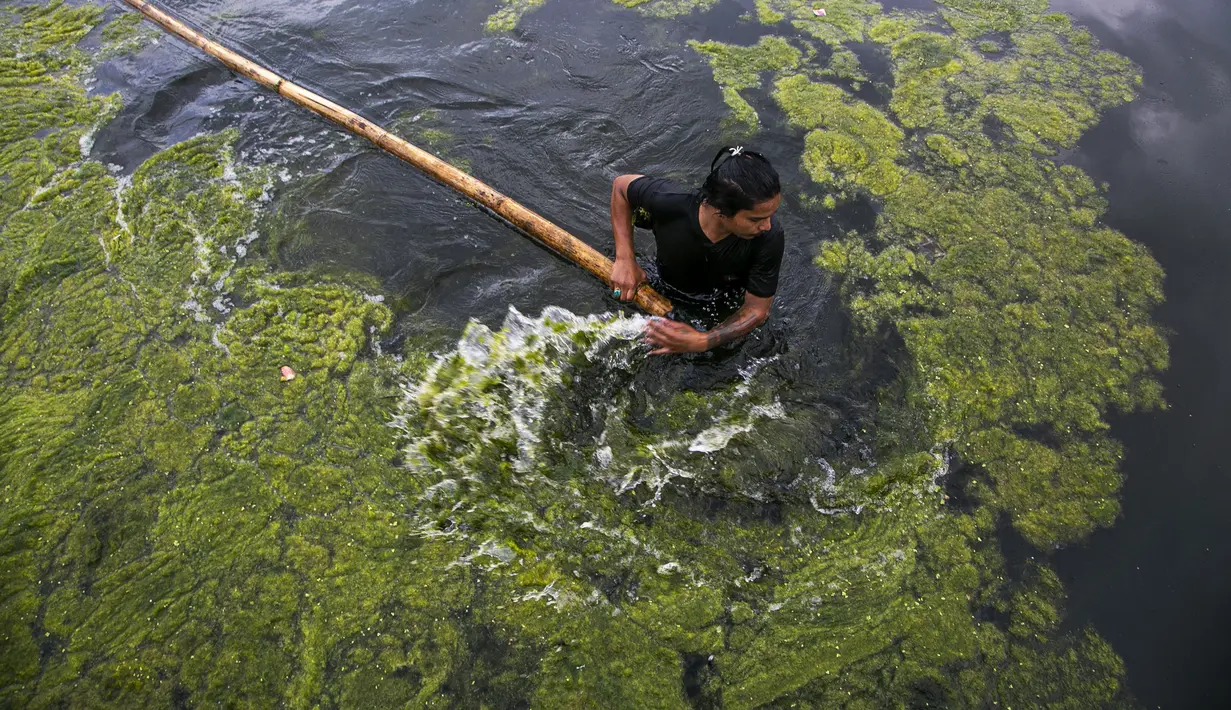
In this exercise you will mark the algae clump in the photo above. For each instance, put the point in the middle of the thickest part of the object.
(739, 68)
(667, 8)
(844, 20)
(849, 143)
(507, 18)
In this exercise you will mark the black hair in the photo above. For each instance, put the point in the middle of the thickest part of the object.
(739, 180)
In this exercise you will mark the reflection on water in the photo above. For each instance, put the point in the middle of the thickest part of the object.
(1166, 159)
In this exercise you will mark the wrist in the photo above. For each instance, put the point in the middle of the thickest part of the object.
(701, 342)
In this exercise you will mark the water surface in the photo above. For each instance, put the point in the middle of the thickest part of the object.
(583, 91)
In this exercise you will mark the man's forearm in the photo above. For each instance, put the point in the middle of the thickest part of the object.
(624, 248)
(622, 224)
(745, 320)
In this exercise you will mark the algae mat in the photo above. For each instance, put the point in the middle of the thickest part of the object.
(530, 519)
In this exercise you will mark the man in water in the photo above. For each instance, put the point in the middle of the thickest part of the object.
(719, 239)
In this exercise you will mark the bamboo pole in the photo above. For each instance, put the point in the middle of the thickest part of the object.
(548, 234)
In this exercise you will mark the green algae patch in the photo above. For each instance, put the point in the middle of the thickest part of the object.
(209, 507)
(849, 144)
(47, 114)
(844, 20)
(860, 589)
(126, 34)
(1044, 93)
(740, 68)
(506, 19)
(1012, 330)
(974, 18)
(667, 8)
(1026, 320)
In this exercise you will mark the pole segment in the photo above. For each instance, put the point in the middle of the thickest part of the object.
(529, 222)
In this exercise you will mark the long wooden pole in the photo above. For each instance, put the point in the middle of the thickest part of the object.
(548, 234)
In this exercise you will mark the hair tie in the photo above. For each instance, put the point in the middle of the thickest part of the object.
(730, 152)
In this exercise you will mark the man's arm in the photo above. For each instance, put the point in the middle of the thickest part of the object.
(748, 318)
(622, 216)
(668, 336)
(626, 275)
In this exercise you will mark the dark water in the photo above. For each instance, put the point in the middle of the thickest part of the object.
(1158, 584)
(584, 91)
(581, 92)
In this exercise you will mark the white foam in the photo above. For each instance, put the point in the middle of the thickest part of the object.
(716, 438)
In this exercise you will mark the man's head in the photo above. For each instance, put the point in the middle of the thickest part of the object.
(744, 188)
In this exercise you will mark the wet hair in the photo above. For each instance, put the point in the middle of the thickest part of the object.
(739, 179)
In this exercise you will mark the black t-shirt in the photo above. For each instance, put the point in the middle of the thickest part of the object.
(688, 260)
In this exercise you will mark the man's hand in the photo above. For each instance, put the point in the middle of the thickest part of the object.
(626, 276)
(670, 337)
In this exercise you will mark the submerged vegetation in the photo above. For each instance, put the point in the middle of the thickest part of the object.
(511, 12)
(508, 16)
(739, 68)
(545, 523)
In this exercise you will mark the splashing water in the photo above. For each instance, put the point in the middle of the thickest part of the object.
(502, 390)
(496, 385)
(555, 428)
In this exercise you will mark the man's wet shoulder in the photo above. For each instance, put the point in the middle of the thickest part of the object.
(647, 190)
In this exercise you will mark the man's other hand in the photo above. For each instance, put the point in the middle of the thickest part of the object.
(626, 276)
(670, 337)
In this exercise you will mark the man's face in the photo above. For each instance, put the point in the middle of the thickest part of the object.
(754, 222)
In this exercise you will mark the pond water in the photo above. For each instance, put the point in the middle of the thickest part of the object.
(548, 114)
(1156, 584)
(456, 504)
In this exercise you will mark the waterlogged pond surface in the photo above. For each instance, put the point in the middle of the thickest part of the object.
(478, 491)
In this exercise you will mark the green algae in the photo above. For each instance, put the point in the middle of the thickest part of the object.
(1021, 313)
(667, 8)
(1046, 92)
(179, 523)
(506, 18)
(188, 484)
(844, 20)
(974, 18)
(863, 590)
(126, 34)
(1013, 330)
(849, 143)
(737, 69)
(844, 64)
